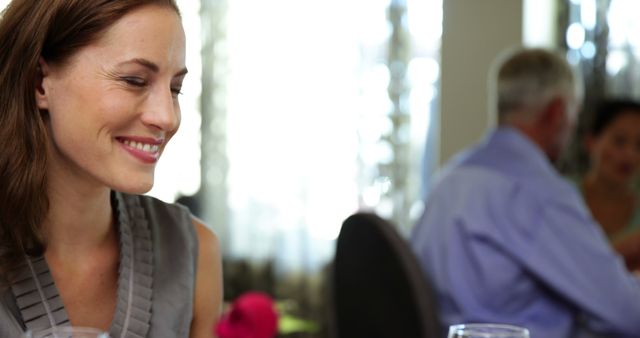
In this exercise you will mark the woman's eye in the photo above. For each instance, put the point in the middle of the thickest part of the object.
(176, 91)
(619, 140)
(135, 81)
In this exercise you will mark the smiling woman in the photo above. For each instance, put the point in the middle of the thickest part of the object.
(609, 186)
(123, 104)
(89, 98)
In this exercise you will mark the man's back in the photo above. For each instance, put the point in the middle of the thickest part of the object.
(505, 239)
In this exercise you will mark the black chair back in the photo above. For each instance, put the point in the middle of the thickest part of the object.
(378, 288)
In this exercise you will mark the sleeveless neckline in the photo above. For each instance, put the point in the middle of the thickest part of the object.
(39, 301)
(632, 224)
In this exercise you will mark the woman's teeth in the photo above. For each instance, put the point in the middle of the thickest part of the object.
(150, 148)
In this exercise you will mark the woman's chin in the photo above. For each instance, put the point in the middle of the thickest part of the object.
(137, 188)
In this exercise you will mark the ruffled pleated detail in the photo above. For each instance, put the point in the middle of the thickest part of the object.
(37, 296)
(39, 300)
(135, 280)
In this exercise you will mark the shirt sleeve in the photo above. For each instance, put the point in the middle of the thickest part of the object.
(570, 254)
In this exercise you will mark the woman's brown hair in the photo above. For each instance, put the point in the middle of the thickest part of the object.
(29, 30)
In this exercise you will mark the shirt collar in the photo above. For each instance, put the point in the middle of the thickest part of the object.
(514, 141)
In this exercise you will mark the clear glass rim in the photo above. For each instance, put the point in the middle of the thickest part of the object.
(67, 329)
(497, 330)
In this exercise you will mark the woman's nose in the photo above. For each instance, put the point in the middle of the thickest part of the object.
(162, 111)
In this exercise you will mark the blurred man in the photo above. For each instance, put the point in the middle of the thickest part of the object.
(505, 239)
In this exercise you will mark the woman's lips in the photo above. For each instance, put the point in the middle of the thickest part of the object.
(145, 149)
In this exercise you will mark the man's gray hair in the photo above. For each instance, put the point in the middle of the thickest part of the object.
(525, 80)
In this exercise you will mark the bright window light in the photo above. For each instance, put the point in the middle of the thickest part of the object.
(307, 105)
(575, 35)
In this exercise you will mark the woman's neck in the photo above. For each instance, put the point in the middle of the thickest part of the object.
(80, 218)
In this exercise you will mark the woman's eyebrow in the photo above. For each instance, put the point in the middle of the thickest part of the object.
(152, 66)
(143, 62)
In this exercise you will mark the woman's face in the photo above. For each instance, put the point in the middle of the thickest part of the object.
(615, 153)
(113, 106)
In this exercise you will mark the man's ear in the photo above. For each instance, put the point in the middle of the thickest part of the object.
(554, 115)
(41, 93)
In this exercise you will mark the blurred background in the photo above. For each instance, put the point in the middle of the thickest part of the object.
(298, 113)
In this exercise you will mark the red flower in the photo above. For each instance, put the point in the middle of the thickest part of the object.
(252, 315)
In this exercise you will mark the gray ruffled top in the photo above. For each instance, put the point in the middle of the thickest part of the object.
(156, 280)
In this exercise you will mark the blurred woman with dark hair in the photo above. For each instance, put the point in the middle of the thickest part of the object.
(88, 101)
(609, 186)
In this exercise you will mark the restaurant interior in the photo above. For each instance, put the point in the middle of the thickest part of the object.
(298, 114)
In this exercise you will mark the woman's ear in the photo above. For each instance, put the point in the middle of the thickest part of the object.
(41, 93)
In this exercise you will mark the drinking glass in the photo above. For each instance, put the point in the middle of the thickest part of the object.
(68, 332)
(487, 331)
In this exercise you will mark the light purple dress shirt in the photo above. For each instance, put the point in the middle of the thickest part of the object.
(505, 239)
